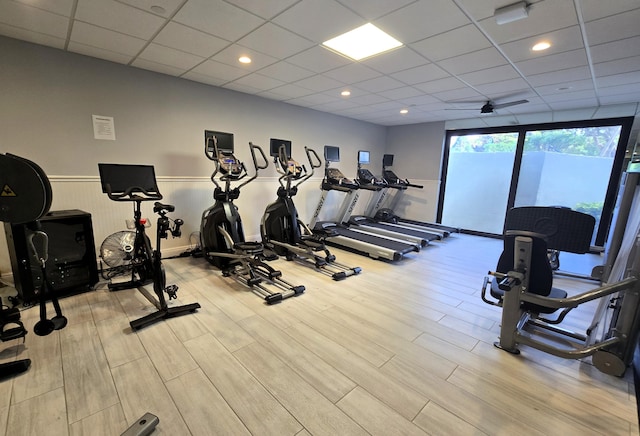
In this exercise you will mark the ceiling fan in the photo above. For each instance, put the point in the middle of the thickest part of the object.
(490, 106)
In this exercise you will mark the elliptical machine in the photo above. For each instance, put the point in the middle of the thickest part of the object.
(221, 234)
(281, 229)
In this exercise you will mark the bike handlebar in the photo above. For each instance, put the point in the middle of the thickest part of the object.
(130, 194)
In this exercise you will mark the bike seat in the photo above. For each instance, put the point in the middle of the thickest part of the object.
(158, 207)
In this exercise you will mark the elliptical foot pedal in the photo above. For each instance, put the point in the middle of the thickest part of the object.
(13, 333)
(12, 368)
(298, 289)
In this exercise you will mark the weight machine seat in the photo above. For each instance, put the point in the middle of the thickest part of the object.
(563, 229)
(539, 273)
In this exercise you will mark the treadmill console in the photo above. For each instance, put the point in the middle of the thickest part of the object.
(365, 177)
(334, 179)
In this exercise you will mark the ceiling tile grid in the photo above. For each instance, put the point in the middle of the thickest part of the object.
(453, 50)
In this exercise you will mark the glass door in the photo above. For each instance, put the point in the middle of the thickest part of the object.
(478, 180)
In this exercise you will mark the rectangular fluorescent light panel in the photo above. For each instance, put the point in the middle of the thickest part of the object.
(363, 42)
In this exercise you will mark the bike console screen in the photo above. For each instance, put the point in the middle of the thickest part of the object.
(122, 177)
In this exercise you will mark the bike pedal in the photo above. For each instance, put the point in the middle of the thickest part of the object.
(172, 291)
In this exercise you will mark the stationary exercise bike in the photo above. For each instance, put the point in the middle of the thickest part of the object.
(137, 183)
(221, 234)
(282, 230)
(26, 197)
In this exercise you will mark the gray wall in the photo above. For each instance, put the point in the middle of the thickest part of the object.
(48, 97)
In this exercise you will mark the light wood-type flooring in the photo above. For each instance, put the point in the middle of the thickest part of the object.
(402, 349)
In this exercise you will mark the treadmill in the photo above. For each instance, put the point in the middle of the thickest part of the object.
(340, 235)
(388, 214)
(367, 180)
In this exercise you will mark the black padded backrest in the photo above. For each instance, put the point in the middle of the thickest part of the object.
(564, 229)
(26, 191)
(540, 274)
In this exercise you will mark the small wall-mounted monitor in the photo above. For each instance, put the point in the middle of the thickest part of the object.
(387, 160)
(363, 157)
(224, 140)
(331, 153)
(275, 144)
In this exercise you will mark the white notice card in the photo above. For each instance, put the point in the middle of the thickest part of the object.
(103, 128)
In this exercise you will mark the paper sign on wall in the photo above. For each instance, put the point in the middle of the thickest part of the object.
(103, 128)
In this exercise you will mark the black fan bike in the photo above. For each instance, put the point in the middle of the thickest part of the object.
(137, 183)
(282, 230)
(221, 233)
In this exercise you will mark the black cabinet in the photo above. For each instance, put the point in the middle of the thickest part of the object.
(71, 267)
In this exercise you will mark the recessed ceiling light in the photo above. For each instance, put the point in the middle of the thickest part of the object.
(158, 9)
(363, 42)
(345, 93)
(244, 60)
(404, 111)
(543, 45)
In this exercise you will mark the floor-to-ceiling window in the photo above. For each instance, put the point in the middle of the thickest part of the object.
(575, 165)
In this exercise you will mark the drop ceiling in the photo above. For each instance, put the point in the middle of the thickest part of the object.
(455, 57)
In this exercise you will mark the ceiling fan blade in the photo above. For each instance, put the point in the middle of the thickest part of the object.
(510, 103)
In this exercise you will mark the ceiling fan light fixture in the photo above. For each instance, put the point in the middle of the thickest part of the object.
(511, 13)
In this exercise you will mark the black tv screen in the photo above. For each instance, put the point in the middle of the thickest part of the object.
(121, 177)
(275, 144)
(387, 160)
(363, 157)
(331, 153)
(224, 140)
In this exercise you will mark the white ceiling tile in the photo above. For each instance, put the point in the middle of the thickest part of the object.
(420, 100)
(379, 84)
(620, 98)
(623, 48)
(554, 62)
(392, 61)
(535, 118)
(218, 18)
(504, 87)
(440, 85)
(560, 76)
(318, 60)
(276, 41)
(632, 89)
(264, 9)
(99, 53)
(202, 78)
(258, 81)
(169, 6)
(291, 91)
(60, 7)
(420, 74)
(236, 86)
(368, 99)
(497, 120)
(422, 19)
(459, 41)
(157, 67)
(568, 96)
(459, 95)
(352, 73)
(575, 85)
(37, 20)
(184, 38)
(614, 27)
(618, 79)
(285, 71)
(319, 83)
(478, 60)
(319, 20)
(220, 71)
(171, 57)
(619, 110)
(618, 66)
(595, 9)
(544, 17)
(400, 93)
(98, 37)
(30, 36)
(116, 16)
(231, 54)
(372, 9)
(490, 75)
(576, 105)
(327, 105)
(561, 41)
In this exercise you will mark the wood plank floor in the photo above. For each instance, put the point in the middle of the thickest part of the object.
(401, 349)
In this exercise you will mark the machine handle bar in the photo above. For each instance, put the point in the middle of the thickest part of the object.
(129, 194)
